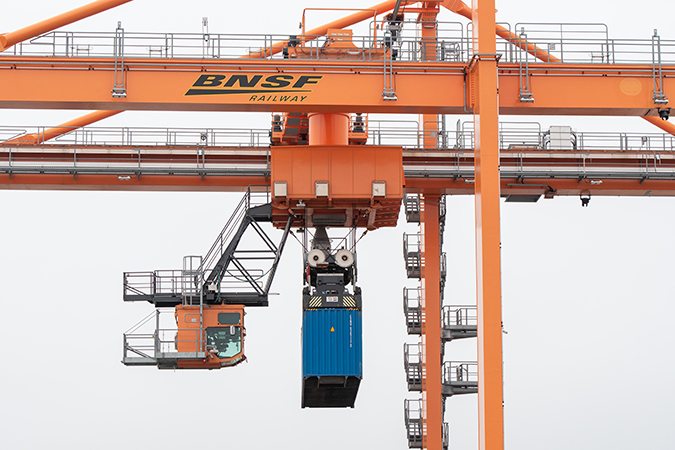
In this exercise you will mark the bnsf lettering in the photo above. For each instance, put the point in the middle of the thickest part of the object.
(260, 85)
(246, 81)
(277, 81)
(209, 81)
(307, 79)
(243, 81)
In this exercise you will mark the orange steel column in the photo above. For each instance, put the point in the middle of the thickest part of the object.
(328, 128)
(488, 254)
(431, 327)
(428, 36)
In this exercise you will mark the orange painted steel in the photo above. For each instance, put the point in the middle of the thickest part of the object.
(431, 329)
(459, 7)
(428, 46)
(449, 186)
(9, 39)
(322, 30)
(328, 129)
(348, 172)
(488, 245)
(666, 126)
(431, 326)
(560, 89)
(126, 182)
(175, 85)
(530, 48)
(567, 187)
(66, 127)
(182, 86)
(457, 166)
(189, 338)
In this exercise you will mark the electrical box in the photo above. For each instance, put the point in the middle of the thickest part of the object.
(561, 138)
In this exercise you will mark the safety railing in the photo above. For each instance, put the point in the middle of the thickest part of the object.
(159, 339)
(142, 136)
(412, 206)
(452, 316)
(584, 43)
(459, 372)
(412, 254)
(574, 43)
(141, 346)
(412, 309)
(448, 46)
(524, 136)
(135, 146)
(413, 416)
(412, 363)
(443, 267)
(153, 283)
(512, 135)
(255, 196)
(170, 283)
(405, 133)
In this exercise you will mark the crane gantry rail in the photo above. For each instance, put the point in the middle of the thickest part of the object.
(532, 164)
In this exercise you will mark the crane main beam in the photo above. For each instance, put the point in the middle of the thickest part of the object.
(297, 86)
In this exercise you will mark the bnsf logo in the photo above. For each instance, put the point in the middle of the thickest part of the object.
(253, 84)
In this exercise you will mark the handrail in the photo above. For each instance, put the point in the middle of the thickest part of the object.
(202, 142)
(64, 128)
(322, 30)
(459, 316)
(182, 46)
(10, 39)
(459, 371)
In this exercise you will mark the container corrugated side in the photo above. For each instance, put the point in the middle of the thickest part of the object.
(332, 343)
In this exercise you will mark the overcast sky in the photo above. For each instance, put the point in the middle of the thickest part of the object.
(587, 293)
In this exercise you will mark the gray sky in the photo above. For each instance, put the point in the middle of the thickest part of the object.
(587, 293)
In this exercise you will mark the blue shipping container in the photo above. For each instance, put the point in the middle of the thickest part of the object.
(331, 357)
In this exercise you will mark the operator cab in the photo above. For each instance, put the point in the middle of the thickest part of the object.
(222, 344)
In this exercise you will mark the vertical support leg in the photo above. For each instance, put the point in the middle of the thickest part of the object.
(488, 253)
(429, 42)
(431, 327)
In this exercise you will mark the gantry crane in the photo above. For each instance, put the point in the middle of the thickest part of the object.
(301, 80)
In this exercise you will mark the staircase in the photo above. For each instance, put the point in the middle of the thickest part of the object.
(412, 255)
(412, 308)
(238, 268)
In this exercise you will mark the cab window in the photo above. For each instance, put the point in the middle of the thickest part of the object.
(226, 343)
(229, 318)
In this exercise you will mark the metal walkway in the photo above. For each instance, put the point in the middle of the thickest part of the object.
(238, 268)
(527, 151)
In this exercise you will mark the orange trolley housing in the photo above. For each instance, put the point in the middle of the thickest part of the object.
(339, 185)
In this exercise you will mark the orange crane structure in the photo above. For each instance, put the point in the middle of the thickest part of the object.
(319, 162)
